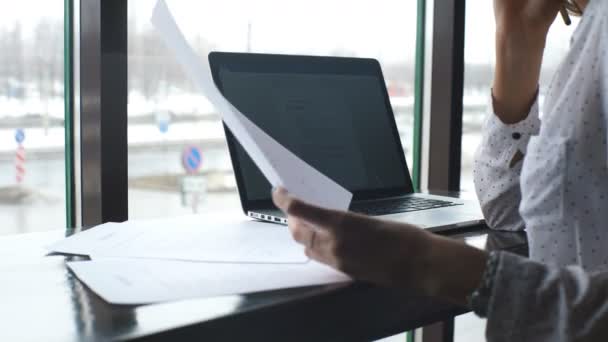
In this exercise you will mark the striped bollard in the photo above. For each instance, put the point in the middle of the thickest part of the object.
(20, 155)
(20, 163)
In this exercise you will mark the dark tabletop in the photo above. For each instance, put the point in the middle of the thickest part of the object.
(41, 300)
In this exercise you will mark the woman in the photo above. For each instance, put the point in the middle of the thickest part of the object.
(522, 299)
(559, 191)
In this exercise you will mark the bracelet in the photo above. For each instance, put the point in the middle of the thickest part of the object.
(479, 300)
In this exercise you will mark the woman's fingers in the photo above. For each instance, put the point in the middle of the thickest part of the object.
(301, 231)
(319, 243)
(322, 250)
(319, 217)
(281, 198)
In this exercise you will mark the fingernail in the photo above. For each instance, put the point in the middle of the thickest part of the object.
(279, 197)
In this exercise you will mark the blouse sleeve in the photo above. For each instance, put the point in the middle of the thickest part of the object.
(535, 302)
(496, 179)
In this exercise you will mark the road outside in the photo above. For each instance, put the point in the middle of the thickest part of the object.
(155, 173)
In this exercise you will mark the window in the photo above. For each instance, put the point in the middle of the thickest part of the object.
(479, 73)
(167, 115)
(32, 179)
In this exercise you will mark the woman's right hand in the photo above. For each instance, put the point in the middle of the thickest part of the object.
(521, 31)
(386, 253)
(529, 18)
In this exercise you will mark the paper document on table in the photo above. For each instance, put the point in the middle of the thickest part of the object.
(279, 165)
(139, 281)
(192, 238)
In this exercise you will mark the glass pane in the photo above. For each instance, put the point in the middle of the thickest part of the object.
(32, 179)
(479, 73)
(167, 115)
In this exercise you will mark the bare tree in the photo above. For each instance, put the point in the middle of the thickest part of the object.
(12, 60)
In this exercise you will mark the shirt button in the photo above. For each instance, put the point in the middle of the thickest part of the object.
(516, 135)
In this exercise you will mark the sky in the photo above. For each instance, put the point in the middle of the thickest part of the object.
(29, 12)
(383, 29)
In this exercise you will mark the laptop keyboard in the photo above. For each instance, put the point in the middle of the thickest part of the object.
(398, 205)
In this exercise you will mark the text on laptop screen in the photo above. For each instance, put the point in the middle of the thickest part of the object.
(339, 124)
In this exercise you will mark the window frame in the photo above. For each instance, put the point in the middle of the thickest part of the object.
(443, 91)
(101, 117)
(68, 86)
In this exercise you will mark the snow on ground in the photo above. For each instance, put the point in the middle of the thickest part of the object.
(36, 139)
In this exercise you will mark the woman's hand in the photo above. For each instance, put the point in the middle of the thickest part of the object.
(387, 253)
(521, 32)
(367, 249)
(529, 19)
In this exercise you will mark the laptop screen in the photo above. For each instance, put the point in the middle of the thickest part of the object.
(339, 123)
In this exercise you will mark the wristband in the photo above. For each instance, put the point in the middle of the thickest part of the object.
(480, 298)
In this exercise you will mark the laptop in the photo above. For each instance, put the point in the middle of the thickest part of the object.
(335, 114)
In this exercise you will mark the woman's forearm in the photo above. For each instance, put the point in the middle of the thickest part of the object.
(517, 74)
(521, 32)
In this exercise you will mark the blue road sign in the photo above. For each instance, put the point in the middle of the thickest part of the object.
(192, 159)
(19, 135)
(163, 119)
(163, 126)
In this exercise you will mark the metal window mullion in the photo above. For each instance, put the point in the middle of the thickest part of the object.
(68, 81)
(76, 127)
(442, 118)
(419, 91)
(103, 111)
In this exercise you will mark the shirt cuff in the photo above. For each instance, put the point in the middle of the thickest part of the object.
(479, 299)
(504, 140)
(513, 294)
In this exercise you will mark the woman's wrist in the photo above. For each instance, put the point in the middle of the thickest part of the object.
(516, 77)
(453, 270)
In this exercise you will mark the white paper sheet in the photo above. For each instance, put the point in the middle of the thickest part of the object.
(138, 281)
(279, 165)
(194, 238)
(28, 245)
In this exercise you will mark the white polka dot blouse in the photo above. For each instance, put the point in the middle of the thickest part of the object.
(559, 192)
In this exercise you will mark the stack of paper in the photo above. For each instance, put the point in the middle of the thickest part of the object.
(205, 238)
(141, 281)
(141, 262)
(152, 261)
